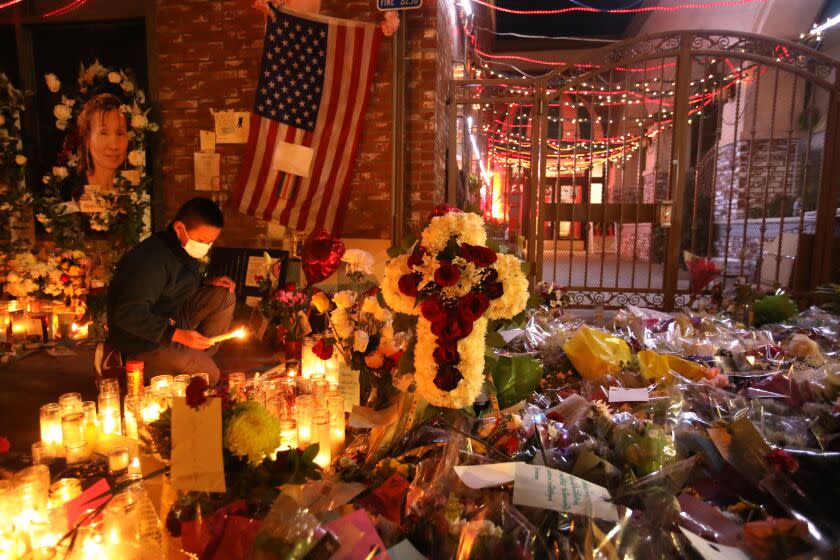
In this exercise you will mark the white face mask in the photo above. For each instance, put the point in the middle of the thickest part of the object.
(196, 249)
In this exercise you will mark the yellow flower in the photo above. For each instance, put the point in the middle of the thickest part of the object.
(74, 271)
(321, 302)
(252, 432)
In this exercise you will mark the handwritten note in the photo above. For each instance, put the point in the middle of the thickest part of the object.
(207, 140)
(483, 476)
(197, 446)
(620, 394)
(232, 127)
(349, 386)
(207, 171)
(292, 158)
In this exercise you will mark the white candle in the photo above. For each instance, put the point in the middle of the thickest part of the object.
(117, 459)
(238, 333)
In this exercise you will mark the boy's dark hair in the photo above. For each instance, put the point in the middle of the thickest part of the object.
(200, 211)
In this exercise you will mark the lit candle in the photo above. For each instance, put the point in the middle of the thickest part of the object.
(51, 425)
(321, 436)
(288, 435)
(134, 467)
(304, 406)
(117, 459)
(110, 423)
(335, 407)
(72, 429)
(65, 490)
(331, 368)
(238, 333)
(133, 405)
(77, 452)
(161, 382)
(319, 391)
(43, 453)
(91, 423)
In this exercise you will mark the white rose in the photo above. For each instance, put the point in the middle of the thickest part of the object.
(114, 77)
(60, 172)
(137, 158)
(344, 299)
(801, 346)
(127, 86)
(53, 83)
(360, 341)
(139, 121)
(382, 315)
(61, 124)
(370, 305)
(62, 112)
(20, 159)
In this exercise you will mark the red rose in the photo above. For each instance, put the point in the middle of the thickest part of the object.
(195, 392)
(258, 278)
(442, 210)
(473, 305)
(5, 445)
(450, 329)
(323, 350)
(478, 255)
(64, 279)
(447, 274)
(446, 354)
(290, 287)
(416, 258)
(447, 378)
(432, 309)
(782, 461)
(490, 275)
(409, 283)
(494, 290)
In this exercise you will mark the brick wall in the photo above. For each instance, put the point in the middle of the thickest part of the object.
(209, 56)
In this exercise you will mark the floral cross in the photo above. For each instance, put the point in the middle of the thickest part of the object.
(455, 284)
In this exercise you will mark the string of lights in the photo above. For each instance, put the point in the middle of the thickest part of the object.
(75, 4)
(638, 10)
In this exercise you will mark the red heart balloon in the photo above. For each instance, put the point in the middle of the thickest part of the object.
(321, 256)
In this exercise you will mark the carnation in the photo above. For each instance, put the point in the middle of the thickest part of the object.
(358, 261)
(252, 433)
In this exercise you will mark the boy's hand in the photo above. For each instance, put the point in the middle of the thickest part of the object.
(221, 282)
(191, 339)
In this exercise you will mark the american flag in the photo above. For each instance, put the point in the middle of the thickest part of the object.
(313, 88)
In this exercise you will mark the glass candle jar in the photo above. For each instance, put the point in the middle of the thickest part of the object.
(288, 434)
(50, 416)
(121, 522)
(73, 428)
(288, 389)
(279, 407)
(109, 400)
(319, 392)
(64, 490)
(335, 408)
(43, 453)
(110, 423)
(133, 406)
(109, 385)
(310, 363)
(304, 407)
(91, 423)
(178, 389)
(76, 452)
(70, 402)
(118, 458)
(161, 382)
(184, 378)
(321, 436)
(236, 382)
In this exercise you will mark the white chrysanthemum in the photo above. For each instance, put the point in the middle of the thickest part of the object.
(357, 260)
(395, 299)
(515, 285)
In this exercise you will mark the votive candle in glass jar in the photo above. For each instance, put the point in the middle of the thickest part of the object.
(319, 391)
(43, 453)
(73, 428)
(109, 385)
(109, 400)
(288, 389)
(331, 368)
(279, 407)
(321, 436)
(310, 363)
(118, 459)
(76, 452)
(64, 490)
(178, 389)
(133, 406)
(288, 434)
(236, 382)
(91, 423)
(161, 382)
(335, 408)
(70, 402)
(121, 522)
(110, 423)
(51, 425)
(184, 378)
(304, 406)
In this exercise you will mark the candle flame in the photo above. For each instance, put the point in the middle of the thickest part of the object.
(240, 332)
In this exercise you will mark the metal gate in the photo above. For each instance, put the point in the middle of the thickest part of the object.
(716, 143)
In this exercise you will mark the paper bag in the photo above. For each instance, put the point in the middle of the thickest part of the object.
(197, 446)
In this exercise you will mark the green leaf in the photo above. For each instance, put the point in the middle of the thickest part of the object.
(495, 340)
(310, 453)
(380, 299)
(407, 359)
(394, 251)
(526, 267)
(408, 242)
(515, 378)
(493, 245)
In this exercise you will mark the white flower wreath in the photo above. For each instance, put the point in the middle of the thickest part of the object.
(15, 200)
(126, 208)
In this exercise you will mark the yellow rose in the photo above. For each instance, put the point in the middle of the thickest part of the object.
(321, 302)
(75, 271)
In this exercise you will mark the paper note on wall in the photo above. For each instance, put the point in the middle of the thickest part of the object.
(197, 446)
(232, 127)
(207, 140)
(292, 158)
(207, 171)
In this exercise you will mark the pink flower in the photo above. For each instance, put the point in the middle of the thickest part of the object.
(390, 23)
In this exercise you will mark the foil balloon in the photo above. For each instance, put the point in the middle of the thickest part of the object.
(321, 256)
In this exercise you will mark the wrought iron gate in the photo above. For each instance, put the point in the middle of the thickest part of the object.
(720, 144)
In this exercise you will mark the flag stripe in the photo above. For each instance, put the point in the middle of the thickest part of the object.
(284, 134)
(265, 164)
(253, 133)
(337, 211)
(343, 68)
(289, 181)
(254, 169)
(331, 207)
